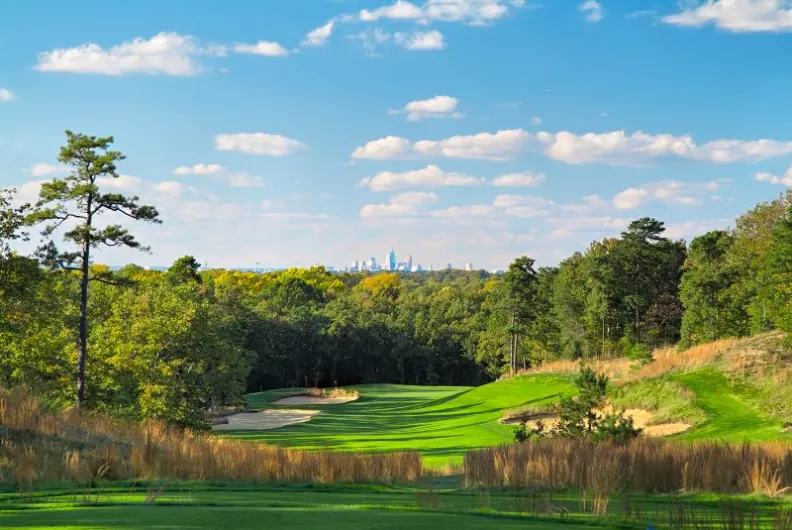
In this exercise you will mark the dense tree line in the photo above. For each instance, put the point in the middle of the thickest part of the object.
(169, 344)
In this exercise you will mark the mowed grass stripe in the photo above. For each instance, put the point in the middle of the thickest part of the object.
(441, 422)
(730, 415)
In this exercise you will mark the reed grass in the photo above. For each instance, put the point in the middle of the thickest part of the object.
(41, 445)
(644, 465)
(332, 393)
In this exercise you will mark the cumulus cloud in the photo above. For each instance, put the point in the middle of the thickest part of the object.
(501, 145)
(401, 204)
(564, 226)
(371, 39)
(123, 183)
(45, 170)
(524, 179)
(319, 36)
(736, 15)
(262, 144)
(165, 53)
(785, 179)
(536, 120)
(476, 12)
(429, 177)
(6, 95)
(199, 169)
(587, 205)
(435, 107)
(639, 148)
(383, 149)
(266, 48)
(668, 192)
(420, 40)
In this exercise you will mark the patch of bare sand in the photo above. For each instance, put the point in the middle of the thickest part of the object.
(265, 419)
(313, 400)
(642, 419)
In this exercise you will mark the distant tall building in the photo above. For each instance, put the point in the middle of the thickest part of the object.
(468, 266)
(409, 262)
(372, 264)
(449, 267)
(390, 260)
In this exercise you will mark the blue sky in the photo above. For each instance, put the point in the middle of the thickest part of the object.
(323, 131)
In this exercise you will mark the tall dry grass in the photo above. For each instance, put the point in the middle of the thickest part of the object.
(664, 360)
(645, 465)
(40, 445)
(333, 393)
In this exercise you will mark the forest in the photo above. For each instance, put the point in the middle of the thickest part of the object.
(168, 345)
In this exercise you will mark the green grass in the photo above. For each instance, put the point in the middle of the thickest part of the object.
(730, 413)
(669, 400)
(441, 422)
(238, 506)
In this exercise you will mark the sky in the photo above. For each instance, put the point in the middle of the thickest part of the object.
(296, 132)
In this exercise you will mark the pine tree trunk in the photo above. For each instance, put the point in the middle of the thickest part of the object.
(83, 354)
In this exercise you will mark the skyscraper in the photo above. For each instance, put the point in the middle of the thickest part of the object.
(409, 263)
(390, 260)
(468, 266)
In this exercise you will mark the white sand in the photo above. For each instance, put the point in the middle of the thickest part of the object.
(265, 420)
(642, 419)
(311, 400)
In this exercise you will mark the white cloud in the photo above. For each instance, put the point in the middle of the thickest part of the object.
(690, 229)
(501, 145)
(785, 179)
(639, 148)
(319, 36)
(589, 203)
(524, 179)
(429, 177)
(536, 120)
(667, 192)
(565, 226)
(262, 144)
(6, 95)
(44, 170)
(420, 40)
(400, 10)
(473, 210)
(266, 48)
(592, 10)
(124, 183)
(383, 149)
(435, 107)
(29, 191)
(170, 187)
(737, 15)
(199, 169)
(401, 204)
(164, 53)
(474, 12)
(244, 180)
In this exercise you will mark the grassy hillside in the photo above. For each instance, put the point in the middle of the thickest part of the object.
(728, 390)
(441, 422)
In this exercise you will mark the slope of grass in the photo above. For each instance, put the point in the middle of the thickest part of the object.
(238, 506)
(441, 422)
(730, 414)
(669, 400)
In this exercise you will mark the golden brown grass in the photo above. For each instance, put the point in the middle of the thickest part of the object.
(738, 352)
(644, 465)
(332, 393)
(44, 445)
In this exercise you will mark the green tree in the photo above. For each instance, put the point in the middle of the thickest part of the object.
(520, 282)
(75, 203)
(708, 291)
(776, 284)
(184, 270)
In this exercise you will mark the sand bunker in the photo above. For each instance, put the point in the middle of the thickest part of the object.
(642, 419)
(265, 419)
(313, 400)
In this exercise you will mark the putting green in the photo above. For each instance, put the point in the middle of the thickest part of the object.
(441, 422)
